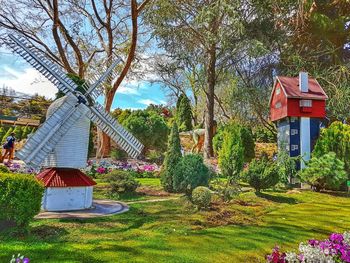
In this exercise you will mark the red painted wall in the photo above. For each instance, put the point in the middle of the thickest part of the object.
(278, 113)
(318, 109)
(291, 107)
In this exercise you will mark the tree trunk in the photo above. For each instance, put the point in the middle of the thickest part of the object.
(209, 96)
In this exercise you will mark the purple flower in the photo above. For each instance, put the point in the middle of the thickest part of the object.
(313, 242)
(345, 255)
(335, 237)
(26, 260)
(301, 257)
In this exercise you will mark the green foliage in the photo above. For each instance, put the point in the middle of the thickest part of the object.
(287, 166)
(121, 182)
(26, 132)
(201, 197)
(4, 169)
(261, 174)
(155, 157)
(323, 172)
(2, 133)
(7, 134)
(189, 173)
(184, 113)
(335, 138)
(20, 198)
(18, 132)
(262, 134)
(119, 154)
(231, 154)
(172, 158)
(149, 127)
(239, 133)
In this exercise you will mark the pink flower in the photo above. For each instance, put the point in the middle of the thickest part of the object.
(101, 170)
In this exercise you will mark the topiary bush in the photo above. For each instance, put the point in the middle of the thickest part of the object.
(184, 113)
(189, 173)
(201, 197)
(335, 138)
(231, 154)
(172, 158)
(261, 174)
(121, 182)
(20, 198)
(326, 171)
(238, 132)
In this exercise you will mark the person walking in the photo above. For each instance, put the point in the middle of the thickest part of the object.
(9, 147)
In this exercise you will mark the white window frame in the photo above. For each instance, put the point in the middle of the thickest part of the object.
(278, 91)
(305, 103)
(278, 105)
(294, 147)
(293, 131)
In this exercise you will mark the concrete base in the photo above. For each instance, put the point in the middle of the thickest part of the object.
(99, 208)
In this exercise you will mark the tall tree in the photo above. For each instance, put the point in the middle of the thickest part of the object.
(198, 28)
(184, 113)
(81, 36)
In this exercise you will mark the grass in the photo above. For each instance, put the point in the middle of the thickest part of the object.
(172, 231)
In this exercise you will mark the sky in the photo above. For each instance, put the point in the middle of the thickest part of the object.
(20, 76)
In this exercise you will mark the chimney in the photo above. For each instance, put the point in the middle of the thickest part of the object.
(303, 81)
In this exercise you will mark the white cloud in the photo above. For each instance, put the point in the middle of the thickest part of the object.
(128, 90)
(147, 101)
(28, 81)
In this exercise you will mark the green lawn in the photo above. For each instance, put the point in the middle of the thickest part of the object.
(172, 231)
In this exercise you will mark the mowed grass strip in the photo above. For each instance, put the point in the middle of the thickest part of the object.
(173, 231)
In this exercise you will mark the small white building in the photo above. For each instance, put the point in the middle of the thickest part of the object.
(66, 189)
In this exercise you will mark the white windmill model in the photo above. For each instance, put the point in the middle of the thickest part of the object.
(61, 142)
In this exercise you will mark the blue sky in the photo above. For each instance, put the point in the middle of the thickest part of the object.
(20, 76)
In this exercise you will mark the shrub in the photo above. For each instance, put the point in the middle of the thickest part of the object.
(149, 127)
(201, 197)
(184, 113)
(189, 173)
(4, 169)
(287, 166)
(231, 154)
(238, 132)
(336, 138)
(20, 198)
(324, 172)
(119, 154)
(172, 158)
(261, 174)
(121, 182)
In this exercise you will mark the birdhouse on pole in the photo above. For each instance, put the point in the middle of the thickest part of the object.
(298, 107)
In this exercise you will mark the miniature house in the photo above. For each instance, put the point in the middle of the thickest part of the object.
(66, 189)
(298, 107)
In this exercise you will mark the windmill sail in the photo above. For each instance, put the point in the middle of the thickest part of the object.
(44, 140)
(46, 67)
(115, 131)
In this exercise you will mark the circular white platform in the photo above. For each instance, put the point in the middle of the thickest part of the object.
(100, 208)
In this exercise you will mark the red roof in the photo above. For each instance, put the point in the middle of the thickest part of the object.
(62, 177)
(290, 86)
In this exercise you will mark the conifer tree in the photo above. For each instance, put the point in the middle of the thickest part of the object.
(172, 158)
(184, 113)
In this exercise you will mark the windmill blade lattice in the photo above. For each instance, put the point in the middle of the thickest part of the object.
(115, 131)
(44, 140)
(50, 70)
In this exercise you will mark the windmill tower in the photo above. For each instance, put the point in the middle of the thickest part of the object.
(61, 143)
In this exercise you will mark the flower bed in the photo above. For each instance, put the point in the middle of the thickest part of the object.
(334, 249)
(138, 168)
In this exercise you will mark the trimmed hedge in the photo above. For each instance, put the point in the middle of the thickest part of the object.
(20, 198)
(201, 197)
